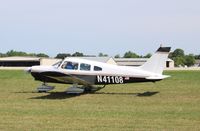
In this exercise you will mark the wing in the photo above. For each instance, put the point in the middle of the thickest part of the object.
(70, 78)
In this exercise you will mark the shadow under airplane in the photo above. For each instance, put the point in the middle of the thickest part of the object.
(145, 94)
(64, 95)
(57, 95)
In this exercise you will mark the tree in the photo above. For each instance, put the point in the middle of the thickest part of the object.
(130, 54)
(147, 55)
(178, 53)
(117, 56)
(189, 60)
(32, 54)
(42, 55)
(16, 53)
(77, 54)
(20, 53)
(178, 56)
(102, 55)
(62, 55)
(170, 55)
(179, 61)
(197, 56)
(2, 55)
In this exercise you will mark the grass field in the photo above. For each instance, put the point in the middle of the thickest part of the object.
(172, 104)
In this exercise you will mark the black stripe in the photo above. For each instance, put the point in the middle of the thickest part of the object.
(51, 77)
(164, 49)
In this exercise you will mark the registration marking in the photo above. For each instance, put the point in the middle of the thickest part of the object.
(110, 79)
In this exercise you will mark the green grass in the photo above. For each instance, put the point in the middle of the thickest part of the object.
(172, 104)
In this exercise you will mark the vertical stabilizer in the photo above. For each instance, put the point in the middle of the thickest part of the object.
(157, 62)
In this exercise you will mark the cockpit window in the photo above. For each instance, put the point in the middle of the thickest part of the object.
(96, 68)
(70, 65)
(85, 67)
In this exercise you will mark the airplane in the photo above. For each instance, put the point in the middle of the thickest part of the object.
(86, 75)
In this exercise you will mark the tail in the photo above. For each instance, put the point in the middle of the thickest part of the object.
(157, 62)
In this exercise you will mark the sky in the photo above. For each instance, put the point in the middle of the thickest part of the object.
(94, 26)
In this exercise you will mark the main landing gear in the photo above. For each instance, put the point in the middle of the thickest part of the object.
(45, 88)
(74, 89)
(84, 89)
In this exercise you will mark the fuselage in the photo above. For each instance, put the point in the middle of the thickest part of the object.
(86, 72)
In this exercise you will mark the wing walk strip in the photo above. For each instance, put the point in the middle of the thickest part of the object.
(71, 78)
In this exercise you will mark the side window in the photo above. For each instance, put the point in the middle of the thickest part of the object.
(96, 68)
(85, 67)
(70, 65)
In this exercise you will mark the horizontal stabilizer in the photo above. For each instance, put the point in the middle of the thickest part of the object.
(158, 77)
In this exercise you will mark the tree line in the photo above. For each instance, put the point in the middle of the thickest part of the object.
(178, 55)
(21, 53)
(181, 59)
(128, 54)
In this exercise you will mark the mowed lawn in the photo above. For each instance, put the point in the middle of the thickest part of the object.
(172, 104)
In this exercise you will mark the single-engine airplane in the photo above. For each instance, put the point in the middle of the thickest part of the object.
(85, 75)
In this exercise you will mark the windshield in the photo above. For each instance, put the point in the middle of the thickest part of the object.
(57, 64)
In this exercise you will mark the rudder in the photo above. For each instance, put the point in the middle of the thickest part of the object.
(157, 62)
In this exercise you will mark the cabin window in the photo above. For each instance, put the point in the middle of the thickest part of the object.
(96, 68)
(70, 65)
(85, 67)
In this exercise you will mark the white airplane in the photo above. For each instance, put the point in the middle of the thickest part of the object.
(88, 73)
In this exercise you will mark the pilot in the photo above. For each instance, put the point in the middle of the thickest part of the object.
(69, 65)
